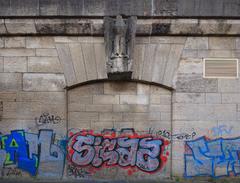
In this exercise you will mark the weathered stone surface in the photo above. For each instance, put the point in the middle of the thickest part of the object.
(182, 8)
(46, 52)
(230, 98)
(10, 81)
(106, 99)
(222, 43)
(15, 42)
(78, 61)
(196, 84)
(20, 26)
(8, 52)
(66, 63)
(134, 99)
(99, 108)
(15, 64)
(114, 88)
(2, 27)
(190, 66)
(130, 108)
(47, 7)
(213, 98)
(43, 82)
(1, 64)
(229, 85)
(89, 60)
(204, 112)
(196, 43)
(195, 98)
(8, 96)
(30, 110)
(40, 42)
(1, 42)
(49, 97)
(110, 116)
(24, 7)
(44, 64)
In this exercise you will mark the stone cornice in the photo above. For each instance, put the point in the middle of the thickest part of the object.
(100, 8)
(145, 27)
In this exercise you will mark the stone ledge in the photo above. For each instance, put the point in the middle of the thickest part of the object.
(145, 27)
(146, 8)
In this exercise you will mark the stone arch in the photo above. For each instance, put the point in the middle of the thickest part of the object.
(155, 59)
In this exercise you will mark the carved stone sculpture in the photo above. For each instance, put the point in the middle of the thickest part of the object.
(119, 40)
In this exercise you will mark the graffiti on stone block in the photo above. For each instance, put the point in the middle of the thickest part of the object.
(125, 150)
(168, 135)
(76, 172)
(220, 130)
(215, 158)
(12, 172)
(32, 153)
(47, 118)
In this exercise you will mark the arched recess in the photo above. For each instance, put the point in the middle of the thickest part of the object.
(113, 110)
(142, 104)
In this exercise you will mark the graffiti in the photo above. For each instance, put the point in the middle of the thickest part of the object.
(215, 158)
(33, 153)
(221, 130)
(1, 110)
(9, 172)
(167, 134)
(127, 150)
(77, 172)
(46, 118)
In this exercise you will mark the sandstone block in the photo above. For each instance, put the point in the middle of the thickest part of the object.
(8, 52)
(80, 99)
(46, 52)
(130, 108)
(40, 42)
(99, 108)
(213, 98)
(120, 88)
(160, 99)
(106, 99)
(15, 64)
(47, 97)
(160, 108)
(1, 42)
(44, 64)
(15, 42)
(8, 96)
(195, 98)
(43, 82)
(1, 64)
(76, 107)
(83, 116)
(229, 85)
(222, 43)
(230, 98)
(134, 99)
(16, 26)
(110, 117)
(10, 81)
(204, 112)
(199, 43)
(135, 117)
(195, 83)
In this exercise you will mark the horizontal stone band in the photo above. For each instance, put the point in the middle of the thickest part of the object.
(145, 27)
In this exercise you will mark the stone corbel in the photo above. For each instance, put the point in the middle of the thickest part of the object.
(119, 35)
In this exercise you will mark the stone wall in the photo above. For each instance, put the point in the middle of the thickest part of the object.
(53, 87)
(118, 106)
